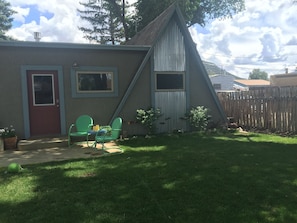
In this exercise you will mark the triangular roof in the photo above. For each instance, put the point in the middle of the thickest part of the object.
(149, 34)
(149, 37)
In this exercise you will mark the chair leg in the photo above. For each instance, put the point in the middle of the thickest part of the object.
(69, 141)
(103, 147)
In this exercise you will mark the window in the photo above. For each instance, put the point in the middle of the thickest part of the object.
(217, 86)
(43, 93)
(94, 82)
(170, 81)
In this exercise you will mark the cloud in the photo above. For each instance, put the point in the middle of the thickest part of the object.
(20, 15)
(58, 21)
(259, 37)
(292, 41)
(272, 48)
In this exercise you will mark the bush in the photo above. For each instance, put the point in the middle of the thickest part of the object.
(148, 118)
(199, 118)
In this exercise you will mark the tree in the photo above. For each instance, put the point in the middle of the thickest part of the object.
(107, 19)
(258, 74)
(5, 19)
(194, 11)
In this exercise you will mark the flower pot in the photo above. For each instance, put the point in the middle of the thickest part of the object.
(10, 143)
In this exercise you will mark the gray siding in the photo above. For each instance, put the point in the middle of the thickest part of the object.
(226, 81)
(172, 105)
(170, 54)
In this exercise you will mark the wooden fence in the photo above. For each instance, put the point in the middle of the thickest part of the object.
(272, 108)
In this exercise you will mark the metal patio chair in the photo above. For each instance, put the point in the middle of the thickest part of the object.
(83, 125)
(107, 136)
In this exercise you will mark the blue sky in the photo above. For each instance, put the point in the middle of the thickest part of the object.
(264, 36)
(33, 15)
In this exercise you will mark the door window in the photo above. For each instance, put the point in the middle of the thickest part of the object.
(43, 89)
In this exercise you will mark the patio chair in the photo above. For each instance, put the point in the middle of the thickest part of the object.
(83, 125)
(107, 136)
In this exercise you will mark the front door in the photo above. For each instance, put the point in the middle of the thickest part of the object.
(44, 107)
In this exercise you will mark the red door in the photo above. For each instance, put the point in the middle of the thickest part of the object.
(44, 109)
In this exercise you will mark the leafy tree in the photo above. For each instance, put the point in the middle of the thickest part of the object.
(194, 11)
(107, 19)
(258, 74)
(5, 19)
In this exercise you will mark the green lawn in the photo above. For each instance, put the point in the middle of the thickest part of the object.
(180, 178)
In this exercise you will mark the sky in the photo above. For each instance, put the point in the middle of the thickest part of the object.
(263, 36)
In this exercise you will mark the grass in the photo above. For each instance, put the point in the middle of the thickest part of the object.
(179, 178)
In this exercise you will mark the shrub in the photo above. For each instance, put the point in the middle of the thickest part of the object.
(199, 118)
(148, 118)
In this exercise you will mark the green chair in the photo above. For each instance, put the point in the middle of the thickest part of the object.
(107, 136)
(83, 125)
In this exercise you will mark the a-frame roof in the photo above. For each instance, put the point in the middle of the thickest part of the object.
(149, 37)
(149, 34)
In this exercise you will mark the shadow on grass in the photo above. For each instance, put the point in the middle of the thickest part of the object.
(178, 178)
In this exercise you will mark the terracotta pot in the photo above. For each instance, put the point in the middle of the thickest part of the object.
(10, 143)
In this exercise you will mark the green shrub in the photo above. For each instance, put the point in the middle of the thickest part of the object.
(148, 118)
(199, 118)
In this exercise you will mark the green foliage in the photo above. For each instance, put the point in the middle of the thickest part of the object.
(7, 132)
(258, 74)
(148, 118)
(199, 117)
(107, 21)
(194, 11)
(5, 19)
(110, 22)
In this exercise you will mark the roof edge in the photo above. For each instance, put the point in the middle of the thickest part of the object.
(63, 45)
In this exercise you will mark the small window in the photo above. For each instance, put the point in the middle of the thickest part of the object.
(88, 81)
(94, 81)
(217, 86)
(43, 89)
(170, 81)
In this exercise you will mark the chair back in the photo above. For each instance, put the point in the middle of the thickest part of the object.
(84, 123)
(116, 127)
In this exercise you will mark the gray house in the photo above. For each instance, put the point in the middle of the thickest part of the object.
(46, 86)
(222, 82)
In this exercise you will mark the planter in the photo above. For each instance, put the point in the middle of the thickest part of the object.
(10, 143)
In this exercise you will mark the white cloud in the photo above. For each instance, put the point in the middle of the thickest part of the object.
(61, 27)
(20, 14)
(263, 36)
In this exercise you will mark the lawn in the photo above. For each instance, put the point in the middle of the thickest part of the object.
(191, 178)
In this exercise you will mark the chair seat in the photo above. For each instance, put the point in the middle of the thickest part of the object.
(79, 133)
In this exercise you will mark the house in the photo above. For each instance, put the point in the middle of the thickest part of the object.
(222, 82)
(46, 86)
(245, 85)
(283, 80)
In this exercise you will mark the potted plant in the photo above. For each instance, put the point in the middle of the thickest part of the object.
(9, 137)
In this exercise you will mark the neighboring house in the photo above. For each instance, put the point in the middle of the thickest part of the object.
(46, 86)
(222, 82)
(245, 85)
(283, 80)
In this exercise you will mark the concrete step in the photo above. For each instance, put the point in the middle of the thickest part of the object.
(42, 143)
